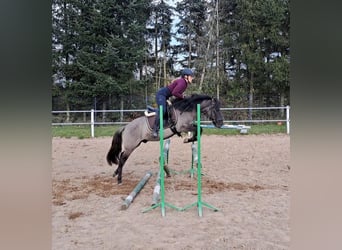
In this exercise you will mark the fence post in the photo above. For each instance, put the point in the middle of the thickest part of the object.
(121, 110)
(288, 119)
(92, 122)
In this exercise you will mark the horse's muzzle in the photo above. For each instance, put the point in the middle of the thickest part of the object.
(218, 123)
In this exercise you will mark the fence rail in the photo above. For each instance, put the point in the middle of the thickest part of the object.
(121, 117)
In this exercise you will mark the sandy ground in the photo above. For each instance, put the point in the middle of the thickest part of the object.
(246, 177)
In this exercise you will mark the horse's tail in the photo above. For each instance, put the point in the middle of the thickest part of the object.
(115, 149)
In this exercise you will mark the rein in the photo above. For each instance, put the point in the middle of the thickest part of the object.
(208, 110)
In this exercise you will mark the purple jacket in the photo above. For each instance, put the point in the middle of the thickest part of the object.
(177, 87)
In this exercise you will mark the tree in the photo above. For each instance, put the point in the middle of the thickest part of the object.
(255, 31)
(108, 47)
(159, 36)
(64, 40)
(192, 15)
(105, 50)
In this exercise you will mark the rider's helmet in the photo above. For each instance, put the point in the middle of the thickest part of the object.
(187, 72)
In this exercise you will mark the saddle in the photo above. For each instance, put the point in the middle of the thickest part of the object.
(169, 121)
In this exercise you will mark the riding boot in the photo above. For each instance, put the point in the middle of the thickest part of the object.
(155, 131)
(155, 127)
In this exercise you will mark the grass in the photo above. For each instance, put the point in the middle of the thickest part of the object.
(83, 131)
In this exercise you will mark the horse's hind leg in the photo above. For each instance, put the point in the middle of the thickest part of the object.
(122, 160)
(120, 172)
(123, 156)
(116, 172)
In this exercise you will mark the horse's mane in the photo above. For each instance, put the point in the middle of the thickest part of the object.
(189, 103)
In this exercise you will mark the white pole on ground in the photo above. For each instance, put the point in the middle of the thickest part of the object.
(136, 191)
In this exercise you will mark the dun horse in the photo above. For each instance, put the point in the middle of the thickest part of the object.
(183, 114)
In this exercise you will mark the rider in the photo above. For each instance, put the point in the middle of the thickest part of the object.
(175, 88)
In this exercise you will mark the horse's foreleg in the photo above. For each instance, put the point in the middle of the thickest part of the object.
(193, 138)
(167, 170)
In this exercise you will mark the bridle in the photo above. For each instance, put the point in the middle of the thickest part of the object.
(211, 111)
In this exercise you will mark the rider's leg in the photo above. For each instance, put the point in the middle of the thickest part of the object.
(161, 100)
(156, 125)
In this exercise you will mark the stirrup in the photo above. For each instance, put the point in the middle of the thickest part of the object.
(155, 133)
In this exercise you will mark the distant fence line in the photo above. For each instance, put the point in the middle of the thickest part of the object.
(123, 116)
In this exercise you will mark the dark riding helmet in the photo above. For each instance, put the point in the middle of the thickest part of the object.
(187, 72)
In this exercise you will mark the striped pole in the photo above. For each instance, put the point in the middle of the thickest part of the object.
(156, 191)
(194, 158)
(166, 150)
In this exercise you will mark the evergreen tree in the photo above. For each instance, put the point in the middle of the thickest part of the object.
(109, 47)
(105, 50)
(159, 38)
(257, 48)
(64, 41)
(192, 16)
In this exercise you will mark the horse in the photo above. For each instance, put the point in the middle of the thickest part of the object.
(183, 113)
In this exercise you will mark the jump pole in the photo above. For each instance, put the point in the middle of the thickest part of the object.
(166, 150)
(156, 191)
(136, 191)
(162, 204)
(199, 201)
(194, 158)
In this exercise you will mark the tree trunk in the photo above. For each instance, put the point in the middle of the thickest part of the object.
(156, 71)
(206, 56)
(121, 108)
(190, 51)
(217, 54)
(164, 65)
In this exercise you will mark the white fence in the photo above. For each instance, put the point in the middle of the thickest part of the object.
(120, 117)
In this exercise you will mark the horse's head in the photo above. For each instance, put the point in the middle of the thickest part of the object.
(210, 107)
(214, 113)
